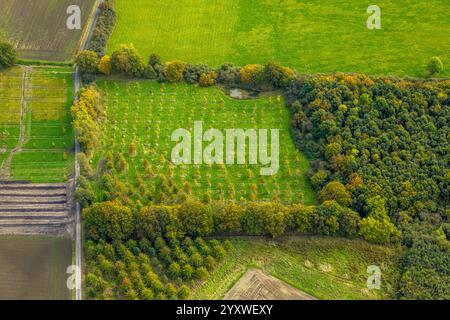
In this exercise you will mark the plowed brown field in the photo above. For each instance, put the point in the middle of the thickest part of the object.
(38, 29)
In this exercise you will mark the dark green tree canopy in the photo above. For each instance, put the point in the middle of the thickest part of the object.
(8, 55)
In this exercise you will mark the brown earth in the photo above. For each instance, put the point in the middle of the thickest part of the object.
(258, 285)
(38, 28)
(35, 209)
(34, 267)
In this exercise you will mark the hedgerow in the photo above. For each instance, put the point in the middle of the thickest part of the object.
(128, 61)
(194, 218)
(103, 28)
(88, 116)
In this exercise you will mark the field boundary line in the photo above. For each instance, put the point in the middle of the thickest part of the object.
(90, 24)
(77, 86)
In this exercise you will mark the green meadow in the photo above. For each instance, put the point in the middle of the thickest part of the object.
(326, 268)
(144, 114)
(311, 35)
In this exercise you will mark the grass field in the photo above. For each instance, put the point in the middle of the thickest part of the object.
(312, 35)
(147, 113)
(34, 268)
(35, 124)
(38, 28)
(326, 268)
(11, 104)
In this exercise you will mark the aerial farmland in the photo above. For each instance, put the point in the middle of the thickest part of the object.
(224, 150)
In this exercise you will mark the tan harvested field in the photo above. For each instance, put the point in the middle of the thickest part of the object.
(258, 285)
(38, 27)
(33, 268)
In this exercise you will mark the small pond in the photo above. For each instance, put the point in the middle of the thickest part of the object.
(243, 94)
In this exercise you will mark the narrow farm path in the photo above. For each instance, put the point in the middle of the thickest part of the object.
(6, 166)
(78, 240)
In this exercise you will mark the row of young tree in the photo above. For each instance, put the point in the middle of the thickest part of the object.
(426, 271)
(150, 270)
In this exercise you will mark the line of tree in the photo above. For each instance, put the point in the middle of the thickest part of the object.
(94, 59)
(87, 119)
(128, 61)
(112, 220)
(103, 28)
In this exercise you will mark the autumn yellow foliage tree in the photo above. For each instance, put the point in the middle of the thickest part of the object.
(87, 115)
(128, 60)
(252, 74)
(208, 79)
(104, 66)
(336, 191)
(175, 70)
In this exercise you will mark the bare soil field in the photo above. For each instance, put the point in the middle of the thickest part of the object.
(258, 285)
(34, 267)
(39, 30)
(35, 209)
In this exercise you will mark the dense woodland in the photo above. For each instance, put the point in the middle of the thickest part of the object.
(387, 142)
